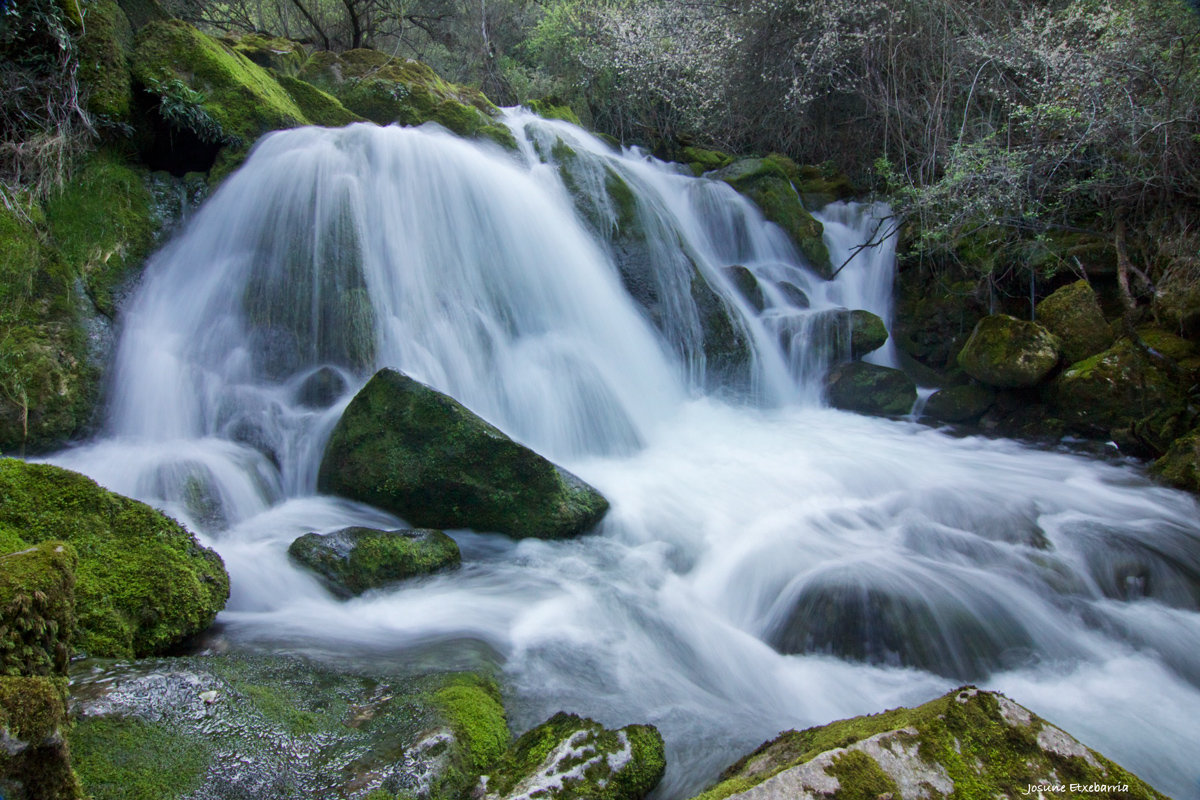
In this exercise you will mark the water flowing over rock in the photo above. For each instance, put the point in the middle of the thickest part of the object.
(353, 560)
(418, 453)
(966, 738)
(1008, 352)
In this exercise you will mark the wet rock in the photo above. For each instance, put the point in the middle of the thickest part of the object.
(37, 608)
(967, 738)
(870, 389)
(353, 560)
(34, 757)
(1007, 352)
(867, 333)
(1180, 466)
(747, 286)
(960, 403)
(1073, 315)
(321, 389)
(422, 455)
(143, 584)
(1114, 389)
(572, 757)
(1176, 306)
(794, 294)
(280, 727)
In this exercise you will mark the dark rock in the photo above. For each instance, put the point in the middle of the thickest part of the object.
(353, 560)
(794, 294)
(1180, 466)
(1008, 352)
(1073, 315)
(321, 389)
(747, 286)
(1114, 389)
(870, 389)
(572, 757)
(968, 738)
(867, 333)
(418, 453)
(960, 403)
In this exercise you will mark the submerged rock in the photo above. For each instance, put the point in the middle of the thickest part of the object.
(418, 453)
(570, 757)
(1073, 315)
(321, 389)
(960, 403)
(353, 560)
(870, 389)
(257, 725)
(1007, 352)
(968, 742)
(143, 584)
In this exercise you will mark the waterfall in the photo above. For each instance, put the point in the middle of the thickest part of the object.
(768, 563)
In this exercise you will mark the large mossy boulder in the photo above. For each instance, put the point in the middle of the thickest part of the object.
(966, 743)
(1176, 305)
(960, 403)
(1010, 353)
(35, 761)
(1180, 465)
(569, 757)
(411, 450)
(143, 583)
(870, 389)
(867, 333)
(37, 608)
(766, 183)
(103, 50)
(1114, 389)
(1073, 315)
(261, 725)
(353, 560)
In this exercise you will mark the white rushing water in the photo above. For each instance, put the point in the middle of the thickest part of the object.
(767, 564)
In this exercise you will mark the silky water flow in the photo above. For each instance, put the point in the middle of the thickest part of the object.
(768, 563)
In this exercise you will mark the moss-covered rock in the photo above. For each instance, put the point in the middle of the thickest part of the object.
(237, 100)
(1007, 352)
(1168, 344)
(319, 108)
(143, 583)
(1176, 305)
(1073, 315)
(870, 389)
(353, 560)
(934, 317)
(821, 185)
(37, 609)
(35, 760)
(570, 757)
(968, 743)
(747, 286)
(766, 183)
(1114, 389)
(283, 56)
(47, 386)
(960, 403)
(104, 51)
(550, 108)
(726, 343)
(1180, 465)
(418, 453)
(242, 725)
(702, 161)
(867, 332)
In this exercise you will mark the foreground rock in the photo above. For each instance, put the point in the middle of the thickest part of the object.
(144, 583)
(257, 725)
(960, 403)
(1010, 353)
(870, 389)
(967, 743)
(406, 448)
(1073, 315)
(353, 560)
(572, 757)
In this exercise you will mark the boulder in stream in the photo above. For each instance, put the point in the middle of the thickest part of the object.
(409, 449)
(968, 742)
(353, 560)
(1073, 315)
(1010, 353)
(960, 403)
(870, 389)
(570, 757)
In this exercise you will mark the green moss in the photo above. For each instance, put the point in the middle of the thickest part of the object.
(987, 746)
(37, 610)
(747, 286)
(474, 709)
(104, 61)
(282, 707)
(271, 52)
(867, 333)
(318, 107)
(1008, 352)
(727, 349)
(354, 560)
(239, 95)
(1168, 344)
(1180, 465)
(1073, 315)
(405, 447)
(705, 160)
(33, 714)
(551, 108)
(103, 223)
(1114, 389)
(143, 582)
(870, 389)
(125, 758)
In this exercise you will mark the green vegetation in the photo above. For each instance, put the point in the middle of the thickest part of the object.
(37, 608)
(143, 583)
(1008, 352)
(475, 711)
(405, 447)
(126, 758)
(870, 389)
(353, 560)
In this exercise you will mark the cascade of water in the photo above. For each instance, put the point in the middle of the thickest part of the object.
(762, 567)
